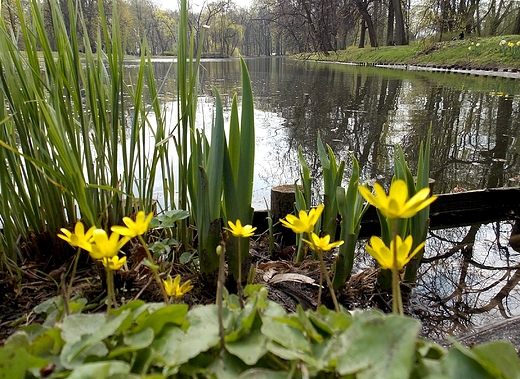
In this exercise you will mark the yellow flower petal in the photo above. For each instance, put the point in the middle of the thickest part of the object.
(134, 228)
(322, 243)
(240, 231)
(385, 255)
(305, 222)
(397, 204)
(106, 247)
(79, 238)
(173, 287)
(113, 263)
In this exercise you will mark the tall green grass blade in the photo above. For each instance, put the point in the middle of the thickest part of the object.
(421, 221)
(332, 177)
(351, 207)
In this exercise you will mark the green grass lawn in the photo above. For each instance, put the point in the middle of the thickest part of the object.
(487, 54)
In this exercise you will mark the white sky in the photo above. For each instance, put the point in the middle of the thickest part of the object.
(173, 4)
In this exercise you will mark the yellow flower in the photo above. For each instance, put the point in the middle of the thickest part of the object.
(385, 256)
(105, 247)
(79, 238)
(510, 44)
(305, 222)
(174, 288)
(134, 228)
(114, 263)
(397, 204)
(502, 42)
(478, 44)
(323, 243)
(469, 47)
(240, 231)
(518, 43)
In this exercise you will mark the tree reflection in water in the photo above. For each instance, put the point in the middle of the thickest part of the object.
(468, 279)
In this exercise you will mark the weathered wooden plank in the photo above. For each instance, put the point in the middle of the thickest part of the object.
(449, 210)
(462, 208)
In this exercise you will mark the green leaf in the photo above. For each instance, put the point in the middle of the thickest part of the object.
(262, 373)
(177, 346)
(499, 357)
(74, 354)
(93, 330)
(226, 366)
(15, 362)
(139, 340)
(170, 314)
(275, 325)
(97, 370)
(458, 365)
(74, 327)
(377, 347)
(250, 348)
(329, 321)
(288, 353)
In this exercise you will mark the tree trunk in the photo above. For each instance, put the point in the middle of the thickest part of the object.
(400, 32)
(390, 25)
(516, 28)
(366, 23)
(362, 35)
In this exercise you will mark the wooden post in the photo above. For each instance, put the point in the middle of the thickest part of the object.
(282, 201)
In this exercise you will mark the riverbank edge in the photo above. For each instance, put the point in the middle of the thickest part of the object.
(504, 72)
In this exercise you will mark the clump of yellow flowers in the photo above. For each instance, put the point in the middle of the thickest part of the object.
(305, 223)
(106, 248)
(394, 206)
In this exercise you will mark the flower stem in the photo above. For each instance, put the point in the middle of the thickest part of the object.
(300, 254)
(110, 290)
(154, 270)
(239, 284)
(220, 287)
(327, 278)
(397, 301)
(71, 282)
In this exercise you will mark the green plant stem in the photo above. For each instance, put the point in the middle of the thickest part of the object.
(154, 270)
(240, 289)
(319, 288)
(72, 276)
(327, 278)
(110, 290)
(220, 288)
(302, 250)
(397, 301)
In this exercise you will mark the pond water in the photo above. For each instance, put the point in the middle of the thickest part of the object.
(470, 274)
(366, 111)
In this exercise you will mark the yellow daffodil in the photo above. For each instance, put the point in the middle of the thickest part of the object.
(240, 231)
(510, 44)
(105, 247)
(79, 238)
(114, 263)
(305, 222)
(385, 256)
(322, 243)
(397, 204)
(174, 288)
(134, 228)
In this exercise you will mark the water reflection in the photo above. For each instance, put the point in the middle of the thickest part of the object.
(366, 111)
(468, 279)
